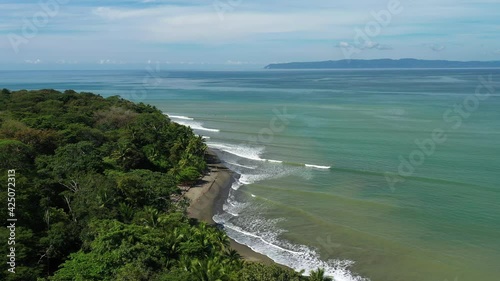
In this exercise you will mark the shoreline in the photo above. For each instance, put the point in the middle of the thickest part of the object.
(209, 195)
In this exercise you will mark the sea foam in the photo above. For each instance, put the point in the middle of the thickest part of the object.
(317, 166)
(251, 153)
(262, 236)
(189, 122)
(178, 117)
(195, 125)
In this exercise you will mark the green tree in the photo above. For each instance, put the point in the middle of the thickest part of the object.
(16, 155)
(188, 175)
(71, 160)
(97, 178)
(116, 250)
(261, 272)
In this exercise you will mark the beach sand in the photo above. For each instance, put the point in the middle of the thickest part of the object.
(209, 195)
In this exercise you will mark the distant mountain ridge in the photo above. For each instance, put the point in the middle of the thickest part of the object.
(384, 63)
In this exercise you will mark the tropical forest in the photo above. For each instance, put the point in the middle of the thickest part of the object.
(97, 195)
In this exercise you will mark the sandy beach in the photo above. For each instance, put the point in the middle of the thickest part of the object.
(209, 195)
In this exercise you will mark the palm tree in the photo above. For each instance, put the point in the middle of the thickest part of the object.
(175, 238)
(221, 238)
(319, 275)
(235, 258)
(233, 255)
(209, 270)
(150, 216)
(126, 212)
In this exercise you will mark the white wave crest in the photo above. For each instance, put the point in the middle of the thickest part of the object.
(195, 125)
(241, 165)
(317, 166)
(252, 153)
(264, 238)
(236, 185)
(178, 117)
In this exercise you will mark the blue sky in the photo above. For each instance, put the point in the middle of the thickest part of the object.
(252, 33)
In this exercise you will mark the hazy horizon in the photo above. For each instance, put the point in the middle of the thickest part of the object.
(238, 34)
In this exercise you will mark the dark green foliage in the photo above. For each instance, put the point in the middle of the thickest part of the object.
(260, 272)
(78, 132)
(14, 153)
(188, 175)
(71, 160)
(117, 249)
(139, 188)
(94, 178)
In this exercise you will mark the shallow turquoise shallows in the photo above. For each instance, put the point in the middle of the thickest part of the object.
(383, 175)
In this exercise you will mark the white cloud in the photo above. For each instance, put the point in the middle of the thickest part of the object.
(371, 45)
(231, 62)
(66, 62)
(36, 61)
(108, 61)
(437, 47)
(109, 13)
(343, 45)
(202, 25)
(252, 31)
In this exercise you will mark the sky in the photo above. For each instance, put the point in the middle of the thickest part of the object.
(241, 33)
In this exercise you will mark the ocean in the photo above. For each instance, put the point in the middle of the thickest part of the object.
(383, 175)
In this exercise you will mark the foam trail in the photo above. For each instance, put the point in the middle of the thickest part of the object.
(243, 226)
(236, 185)
(196, 125)
(233, 209)
(297, 257)
(242, 166)
(239, 150)
(243, 223)
(317, 166)
(178, 117)
(251, 153)
(227, 208)
(253, 178)
(235, 228)
(254, 153)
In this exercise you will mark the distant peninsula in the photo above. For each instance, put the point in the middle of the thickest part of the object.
(384, 63)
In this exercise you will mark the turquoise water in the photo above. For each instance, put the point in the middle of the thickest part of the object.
(349, 209)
